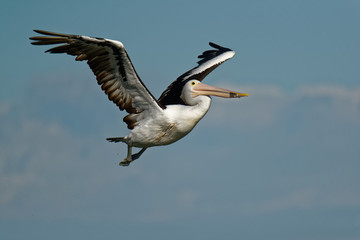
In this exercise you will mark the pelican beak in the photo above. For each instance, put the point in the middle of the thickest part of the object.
(204, 89)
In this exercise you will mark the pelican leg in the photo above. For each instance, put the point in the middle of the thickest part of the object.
(137, 155)
(128, 158)
(133, 157)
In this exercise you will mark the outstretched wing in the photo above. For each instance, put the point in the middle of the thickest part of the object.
(112, 67)
(209, 60)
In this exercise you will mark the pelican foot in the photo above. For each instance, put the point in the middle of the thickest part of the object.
(124, 162)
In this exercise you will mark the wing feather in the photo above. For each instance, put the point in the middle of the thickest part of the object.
(209, 60)
(112, 67)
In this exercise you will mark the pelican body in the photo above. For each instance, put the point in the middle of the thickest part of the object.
(152, 122)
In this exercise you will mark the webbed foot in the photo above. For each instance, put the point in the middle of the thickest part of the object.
(125, 162)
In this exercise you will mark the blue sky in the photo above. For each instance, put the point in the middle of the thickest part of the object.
(281, 164)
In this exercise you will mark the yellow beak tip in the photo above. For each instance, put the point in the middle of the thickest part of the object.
(243, 95)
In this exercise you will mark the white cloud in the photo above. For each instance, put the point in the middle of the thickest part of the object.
(26, 152)
(4, 108)
(266, 104)
(187, 198)
(48, 167)
(304, 198)
(13, 183)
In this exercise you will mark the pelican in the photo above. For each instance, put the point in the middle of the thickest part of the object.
(152, 122)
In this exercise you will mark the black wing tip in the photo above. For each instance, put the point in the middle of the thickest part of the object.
(49, 33)
(34, 38)
(206, 55)
(221, 48)
(214, 45)
(39, 31)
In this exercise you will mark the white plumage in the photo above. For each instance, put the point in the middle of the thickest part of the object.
(152, 121)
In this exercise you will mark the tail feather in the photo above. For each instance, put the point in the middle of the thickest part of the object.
(116, 139)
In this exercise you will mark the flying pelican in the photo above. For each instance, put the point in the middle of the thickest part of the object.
(153, 122)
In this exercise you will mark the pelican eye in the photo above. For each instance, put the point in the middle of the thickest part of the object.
(193, 83)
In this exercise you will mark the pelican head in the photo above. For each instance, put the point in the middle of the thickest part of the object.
(194, 90)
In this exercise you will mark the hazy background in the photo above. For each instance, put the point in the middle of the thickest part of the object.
(281, 164)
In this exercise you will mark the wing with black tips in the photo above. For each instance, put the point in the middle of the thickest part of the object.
(209, 60)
